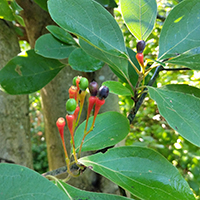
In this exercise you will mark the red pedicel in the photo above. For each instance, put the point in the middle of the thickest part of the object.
(99, 103)
(76, 112)
(70, 120)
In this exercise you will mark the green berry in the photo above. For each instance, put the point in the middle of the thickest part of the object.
(74, 80)
(83, 83)
(71, 106)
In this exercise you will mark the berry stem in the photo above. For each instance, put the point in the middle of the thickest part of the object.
(82, 99)
(70, 121)
(98, 104)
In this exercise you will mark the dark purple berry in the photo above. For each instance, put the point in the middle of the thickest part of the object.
(93, 87)
(103, 92)
(140, 46)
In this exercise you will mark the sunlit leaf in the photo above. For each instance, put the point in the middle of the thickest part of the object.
(180, 106)
(110, 128)
(141, 171)
(61, 34)
(81, 61)
(180, 32)
(76, 194)
(28, 73)
(139, 16)
(5, 11)
(26, 184)
(97, 27)
(49, 47)
(117, 88)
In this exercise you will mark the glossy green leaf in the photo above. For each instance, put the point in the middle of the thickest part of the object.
(28, 73)
(180, 106)
(141, 171)
(110, 128)
(117, 88)
(61, 34)
(118, 64)
(104, 3)
(139, 16)
(97, 27)
(49, 47)
(18, 182)
(180, 32)
(42, 4)
(190, 59)
(77, 194)
(5, 11)
(81, 61)
(133, 76)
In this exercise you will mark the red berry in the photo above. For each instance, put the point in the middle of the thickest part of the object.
(140, 58)
(61, 124)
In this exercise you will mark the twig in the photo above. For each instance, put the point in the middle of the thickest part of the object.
(139, 102)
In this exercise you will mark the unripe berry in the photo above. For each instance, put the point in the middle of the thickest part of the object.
(93, 87)
(71, 106)
(140, 46)
(83, 84)
(74, 80)
(103, 92)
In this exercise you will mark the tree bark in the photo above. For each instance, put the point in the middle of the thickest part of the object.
(14, 111)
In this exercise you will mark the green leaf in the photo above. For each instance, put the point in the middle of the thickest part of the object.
(133, 76)
(118, 64)
(104, 3)
(49, 47)
(110, 128)
(61, 34)
(5, 11)
(18, 182)
(117, 88)
(77, 194)
(139, 16)
(180, 32)
(97, 27)
(42, 4)
(81, 61)
(28, 73)
(190, 58)
(180, 106)
(141, 171)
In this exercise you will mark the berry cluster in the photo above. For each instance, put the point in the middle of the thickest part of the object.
(74, 106)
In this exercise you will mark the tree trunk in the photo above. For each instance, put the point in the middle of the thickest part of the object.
(14, 111)
(54, 96)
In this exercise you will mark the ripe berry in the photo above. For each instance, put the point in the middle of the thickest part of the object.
(83, 84)
(71, 106)
(140, 58)
(103, 92)
(93, 87)
(140, 46)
